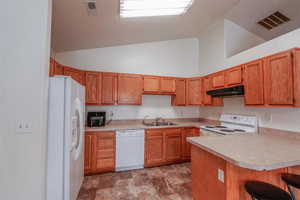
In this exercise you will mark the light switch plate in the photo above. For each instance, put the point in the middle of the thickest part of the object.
(221, 175)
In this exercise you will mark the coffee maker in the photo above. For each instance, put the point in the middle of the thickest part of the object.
(96, 119)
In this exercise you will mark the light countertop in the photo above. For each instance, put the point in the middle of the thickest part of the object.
(138, 124)
(270, 149)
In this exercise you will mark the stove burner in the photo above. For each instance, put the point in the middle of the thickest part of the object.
(239, 130)
(220, 126)
(209, 126)
(227, 130)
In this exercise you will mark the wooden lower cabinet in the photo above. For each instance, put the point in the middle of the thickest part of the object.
(168, 145)
(99, 152)
(186, 146)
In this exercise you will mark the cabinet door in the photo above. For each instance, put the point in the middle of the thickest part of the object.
(234, 76)
(194, 96)
(154, 148)
(130, 89)
(104, 153)
(88, 153)
(167, 85)
(179, 99)
(173, 144)
(296, 62)
(109, 88)
(253, 82)
(76, 74)
(55, 68)
(218, 80)
(151, 84)
(279, 79)
(93, 87)
(207, 99)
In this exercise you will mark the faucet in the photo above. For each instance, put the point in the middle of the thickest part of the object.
(158, 119)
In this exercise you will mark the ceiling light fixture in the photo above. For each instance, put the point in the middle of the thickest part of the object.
(149, 8)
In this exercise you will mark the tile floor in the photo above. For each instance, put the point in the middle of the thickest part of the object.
(172, 182)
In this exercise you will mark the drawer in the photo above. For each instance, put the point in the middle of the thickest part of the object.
(105, 163)
(173, 131)
(154, 133)
(105, 143)
(107, 153)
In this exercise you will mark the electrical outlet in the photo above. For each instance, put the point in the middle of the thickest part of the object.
(23, 127)
(221, 175)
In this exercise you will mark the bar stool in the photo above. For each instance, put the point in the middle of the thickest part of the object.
(264, 191)
(292, 180)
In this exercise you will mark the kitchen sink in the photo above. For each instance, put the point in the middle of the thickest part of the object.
(159, 124)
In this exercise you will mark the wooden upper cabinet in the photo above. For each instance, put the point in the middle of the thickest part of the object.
(55, 68)
(151, 84)
(109, 88)
(278, 73)
(254, 83)
(173, 144)
(218, 80)
(234, 76)
(296, 62)
(179, 99)
(207, 99)
(76, 74)
(194, 94)
(167, 85)
(130, 89)
(154, 147)
(93, 87)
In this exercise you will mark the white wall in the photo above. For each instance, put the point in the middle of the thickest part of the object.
(212, 59)
(174, 58)
(168, 58)
(153, 106)
(238, 39)
(24, 60)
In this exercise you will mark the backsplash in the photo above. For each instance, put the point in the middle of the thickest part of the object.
(278, 118)
(152, 106)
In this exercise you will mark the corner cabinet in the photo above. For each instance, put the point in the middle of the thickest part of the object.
(207, 99)
(99, 152)
(186, 146)
(130, 89)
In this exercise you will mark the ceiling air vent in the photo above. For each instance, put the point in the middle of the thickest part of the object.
(91, 7)
(274, 20)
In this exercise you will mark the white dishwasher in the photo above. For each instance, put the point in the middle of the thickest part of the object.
(130, 149)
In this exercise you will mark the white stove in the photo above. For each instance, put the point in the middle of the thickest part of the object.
(232, 124)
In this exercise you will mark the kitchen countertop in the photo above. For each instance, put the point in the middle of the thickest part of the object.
(138, 124)
(270, 149)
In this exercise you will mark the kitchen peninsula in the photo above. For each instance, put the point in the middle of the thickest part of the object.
(221, 165)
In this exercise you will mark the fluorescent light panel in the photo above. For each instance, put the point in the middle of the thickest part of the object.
(147, 8)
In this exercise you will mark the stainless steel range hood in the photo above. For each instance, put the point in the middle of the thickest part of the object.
(226, 92)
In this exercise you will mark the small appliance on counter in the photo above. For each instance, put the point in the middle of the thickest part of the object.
(96, 119)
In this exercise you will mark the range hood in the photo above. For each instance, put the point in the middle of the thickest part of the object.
(233, 91)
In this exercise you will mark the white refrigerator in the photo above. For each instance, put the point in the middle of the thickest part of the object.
(65, 138)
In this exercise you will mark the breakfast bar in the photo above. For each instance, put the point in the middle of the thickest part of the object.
(221, 165)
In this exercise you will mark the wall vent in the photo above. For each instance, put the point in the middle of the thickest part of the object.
(91, 7)
(274, 20)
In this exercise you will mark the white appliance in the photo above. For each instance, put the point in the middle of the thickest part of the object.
(130, 149)
(232, 124)
(65, 138)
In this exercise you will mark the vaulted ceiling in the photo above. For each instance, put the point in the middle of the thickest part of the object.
(73, 28)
